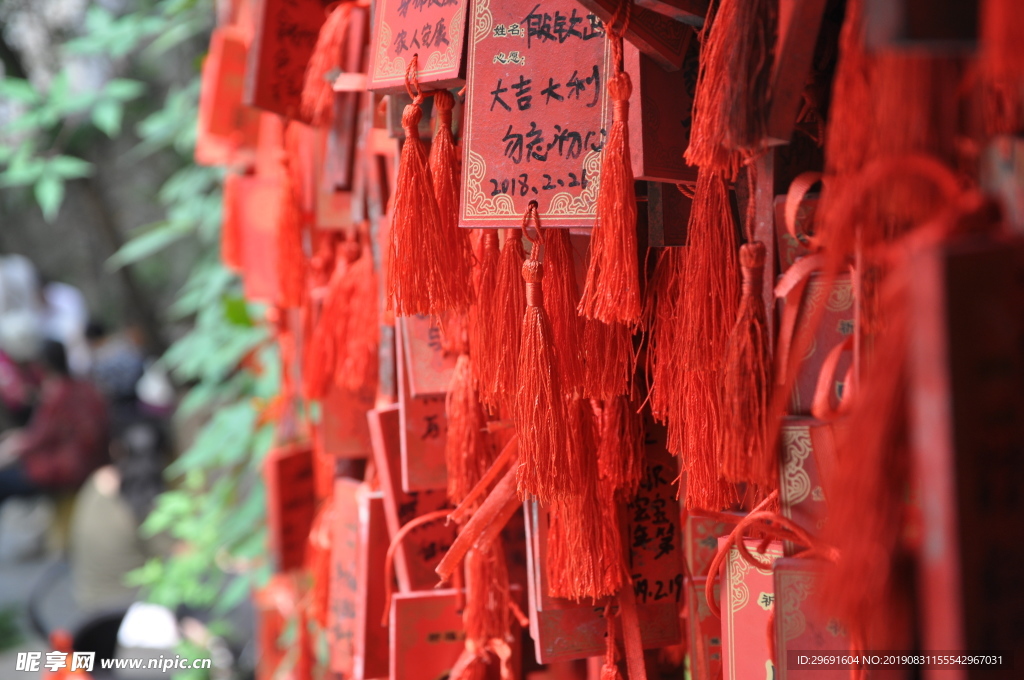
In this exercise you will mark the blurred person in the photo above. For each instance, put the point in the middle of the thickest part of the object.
(19, 285)
(117, 366)
(20, 377)
(66, 438)
(106, 542)
(65, 316)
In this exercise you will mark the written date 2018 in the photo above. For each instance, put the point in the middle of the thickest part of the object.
(522, 186)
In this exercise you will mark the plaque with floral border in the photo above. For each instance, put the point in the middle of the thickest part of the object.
(433, 30)
(537, 113)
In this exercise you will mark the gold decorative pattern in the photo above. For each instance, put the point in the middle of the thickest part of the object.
(478, 203)
(482, 20)
(739, 594)
(796, 483)
(564, 203)
(389, 69)
(796, 588)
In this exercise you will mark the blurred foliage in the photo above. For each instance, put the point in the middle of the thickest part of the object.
(215, 508)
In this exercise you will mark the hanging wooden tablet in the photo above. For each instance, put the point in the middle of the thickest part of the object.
(799, 23)
(668, 212)
(258, 202)
(345, 585)
(704, 631)
(807, 465)
(803, 626)
(226, 129)
(291, 495)
(659, 129)
(371, 642)
(350, 92)
(687, 11)
(434, 31)
(663, 39)
(286, 33)
(967, 422)
(427, 637)
(418, 554)
(424, 425)
(747, 604)
(564, 630)
(536, 114)
(343, 429)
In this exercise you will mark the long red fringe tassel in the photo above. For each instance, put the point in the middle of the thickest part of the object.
(510, 308)
(612, 289)
(561, 294)
(546, 448)
(291, 256)
(745, 454)
(325, 62)
(484, 337)
(731, 100)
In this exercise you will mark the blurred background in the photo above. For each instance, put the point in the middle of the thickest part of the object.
(109, 263)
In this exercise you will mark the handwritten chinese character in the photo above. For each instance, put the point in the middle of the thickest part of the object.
(551, 91)
(523, 96)
(400, 42)
(433, 431)
(498, 91)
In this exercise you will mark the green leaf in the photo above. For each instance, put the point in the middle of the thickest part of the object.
(49, 192)
(236, 311)
(106, 115)
(19, 90)
(69, 167)
(123, 89)
(150, 242)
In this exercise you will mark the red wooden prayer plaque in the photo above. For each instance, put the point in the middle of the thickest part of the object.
(661, 38)
(536, 114)
(341, 614)
(802, 624)
(343, 429)
(290, 503)
(258, 203)
(434, 30)
(286, 33)
(418, 555)
(564, 630)
(423, 432)
(430, 369)
(371, 648)
(748, 601)
(225, 126)
(704, 631)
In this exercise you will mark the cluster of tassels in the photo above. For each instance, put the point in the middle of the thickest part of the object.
(429, 270)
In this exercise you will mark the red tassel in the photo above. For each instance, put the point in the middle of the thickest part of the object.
(546, 449)
(731, 100)
(1001, 63)
(705, 488)
(484, 337)
(446, 170)
(850, 113)
(510, 308)
(291, 257)
(710, 282)
(318, 557)
(467, 451)
(562, 294)
(324, 65)
(488, 597)
(620, 454)
(612, 290)
(358, 352)
(745, 453)
(425, 266)
(584, 558)
(664, 369)
(610, 669)
(608, 357)
(231, 227)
